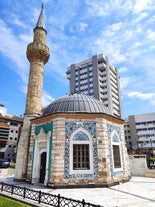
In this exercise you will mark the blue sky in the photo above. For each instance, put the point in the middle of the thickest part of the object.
(124, 30)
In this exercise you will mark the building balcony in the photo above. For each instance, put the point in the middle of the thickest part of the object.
(102, 66)
(2, 150)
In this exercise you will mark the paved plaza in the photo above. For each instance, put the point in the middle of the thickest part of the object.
(139, 192)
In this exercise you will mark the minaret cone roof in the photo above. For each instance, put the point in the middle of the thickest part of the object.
(41, 22)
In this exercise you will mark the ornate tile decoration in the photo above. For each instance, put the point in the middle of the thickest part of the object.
(114, 135)
(81, 136)
(70, 127)
(112, 128)
(47, 127)
(115, 138)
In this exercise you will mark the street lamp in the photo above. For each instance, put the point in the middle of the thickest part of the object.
(151, 142)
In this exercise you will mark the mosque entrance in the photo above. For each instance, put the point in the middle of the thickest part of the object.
(42, 167)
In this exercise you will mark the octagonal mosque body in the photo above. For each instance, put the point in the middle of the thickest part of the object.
(76, 143)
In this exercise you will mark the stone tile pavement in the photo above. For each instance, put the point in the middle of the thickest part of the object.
(139, 192)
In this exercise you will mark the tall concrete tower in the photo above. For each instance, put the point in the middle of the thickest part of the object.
(97, 77)
(38, 55)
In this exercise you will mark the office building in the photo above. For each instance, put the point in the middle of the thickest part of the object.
(97, 77)
(140, 131)
(10, 129)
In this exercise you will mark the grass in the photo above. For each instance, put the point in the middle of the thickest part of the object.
(7, 202)
(152, 158)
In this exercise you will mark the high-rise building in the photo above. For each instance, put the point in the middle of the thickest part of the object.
(10, 129)
(97, 77)
(140, 131)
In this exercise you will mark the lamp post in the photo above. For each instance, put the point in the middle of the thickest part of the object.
(151, 142)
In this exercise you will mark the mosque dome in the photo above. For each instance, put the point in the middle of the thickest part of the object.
(75, 103)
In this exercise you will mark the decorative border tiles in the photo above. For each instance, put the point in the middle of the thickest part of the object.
(47, 127)
(70, 127)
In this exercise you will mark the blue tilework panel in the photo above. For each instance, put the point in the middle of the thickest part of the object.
(90, 127)
(114, 135)
(81, 136)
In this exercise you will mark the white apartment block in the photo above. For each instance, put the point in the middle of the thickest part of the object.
(97, 77)
(140, 131)
(10, 129)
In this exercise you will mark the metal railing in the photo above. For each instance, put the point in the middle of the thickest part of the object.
(44, 198)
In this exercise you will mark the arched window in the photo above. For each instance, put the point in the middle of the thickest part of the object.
(81, 160)
(81, 151)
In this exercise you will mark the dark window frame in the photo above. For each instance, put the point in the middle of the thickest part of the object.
(116, 156)
(81, 157)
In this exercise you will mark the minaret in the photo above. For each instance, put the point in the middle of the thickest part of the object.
(38, 55)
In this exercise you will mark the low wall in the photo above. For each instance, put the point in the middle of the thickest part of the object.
(138, 165)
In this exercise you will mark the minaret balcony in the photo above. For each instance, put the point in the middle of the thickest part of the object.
(38, 51)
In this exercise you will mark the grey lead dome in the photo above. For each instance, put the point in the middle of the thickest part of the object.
(80, 103)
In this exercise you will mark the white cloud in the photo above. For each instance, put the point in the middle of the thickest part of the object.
(137, 44)
(46, 99)
(117, 26)
(111, 49)
(82, 26)
(142, 5)
(108, 7)
(97, 8)
(13, 48)
(150, 35)
(26, 38)
(142, 96)
(17, 22)
(141, 17)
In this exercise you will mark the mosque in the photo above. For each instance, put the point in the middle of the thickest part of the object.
(75, 142)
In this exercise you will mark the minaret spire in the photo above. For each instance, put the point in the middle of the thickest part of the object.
(41, 22)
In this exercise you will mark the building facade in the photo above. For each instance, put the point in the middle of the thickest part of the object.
(97, 77)
(10, 129)
(140, 131)
(75, 143)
